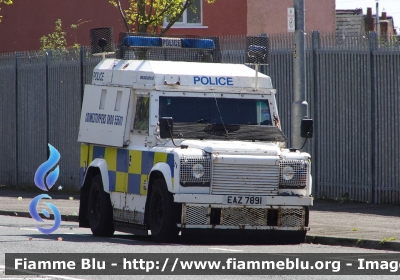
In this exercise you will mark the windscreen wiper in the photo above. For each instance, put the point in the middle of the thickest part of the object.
(221, 129)
(202, 121)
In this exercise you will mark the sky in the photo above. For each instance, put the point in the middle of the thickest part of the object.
(392, 8)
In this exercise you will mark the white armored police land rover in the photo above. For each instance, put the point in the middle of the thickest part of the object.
(173, 146)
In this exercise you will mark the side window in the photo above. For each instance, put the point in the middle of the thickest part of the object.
(142, 114)
(191, 16)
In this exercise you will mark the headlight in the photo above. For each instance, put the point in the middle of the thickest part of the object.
(294, 174)
(287, 173)
(198, 170)
(195, 171)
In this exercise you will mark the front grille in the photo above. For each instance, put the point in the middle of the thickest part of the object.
(245, 179)
(196, 215)
(291, 217)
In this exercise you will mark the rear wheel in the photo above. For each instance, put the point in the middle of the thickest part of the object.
(162, 213)
(100, 212)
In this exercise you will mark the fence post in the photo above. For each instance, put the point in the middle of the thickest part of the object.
(16, 120)
(315, 46)
(373, 45)
(82, 71)
(48, 56)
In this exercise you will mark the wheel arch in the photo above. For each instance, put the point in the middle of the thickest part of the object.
(101, 165)
(165, 170)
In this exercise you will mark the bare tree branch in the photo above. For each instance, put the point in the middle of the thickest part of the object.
(123, 16)
(162, 13)
(173, 20)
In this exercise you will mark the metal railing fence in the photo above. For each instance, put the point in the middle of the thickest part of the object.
(353, 93)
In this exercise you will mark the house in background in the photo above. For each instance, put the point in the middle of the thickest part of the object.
(25, 22)
(253, 17)
(355, 22)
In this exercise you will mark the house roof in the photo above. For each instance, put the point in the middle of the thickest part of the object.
(349, 21)
(353, 21)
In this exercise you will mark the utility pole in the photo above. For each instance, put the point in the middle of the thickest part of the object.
(377, 18)
(300, 105)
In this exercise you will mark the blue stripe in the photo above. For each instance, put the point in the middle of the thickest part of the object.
(134, 183)
(98, 152)
(112, 178)
(147, 162)
(122, 160)
(170, 162)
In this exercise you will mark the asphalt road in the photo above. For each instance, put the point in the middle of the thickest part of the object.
(19, 235)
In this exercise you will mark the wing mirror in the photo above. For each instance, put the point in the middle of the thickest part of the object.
(166, 127)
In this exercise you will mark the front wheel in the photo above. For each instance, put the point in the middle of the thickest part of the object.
(100, 212)
(162, 213)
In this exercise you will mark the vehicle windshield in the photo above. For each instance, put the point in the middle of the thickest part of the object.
(220, 118)
(216, 110)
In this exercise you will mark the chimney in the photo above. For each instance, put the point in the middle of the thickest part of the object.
(369, 12)
(369, 21)
(384, 27)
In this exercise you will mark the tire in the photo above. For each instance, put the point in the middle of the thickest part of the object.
(100, 212)
(162, 213)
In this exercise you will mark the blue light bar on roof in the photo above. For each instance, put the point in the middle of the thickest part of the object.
(190, 43)
(198, 43)
(141, 41)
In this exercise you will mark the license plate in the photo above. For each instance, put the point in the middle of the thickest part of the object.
(246, 200)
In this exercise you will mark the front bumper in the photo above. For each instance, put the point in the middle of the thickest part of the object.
(222, 199)
(219, 216)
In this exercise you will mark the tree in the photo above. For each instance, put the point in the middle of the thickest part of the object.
(145, 16)
(3, 3)
(57, 39)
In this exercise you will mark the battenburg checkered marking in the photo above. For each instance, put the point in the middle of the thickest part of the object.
(128, 170)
